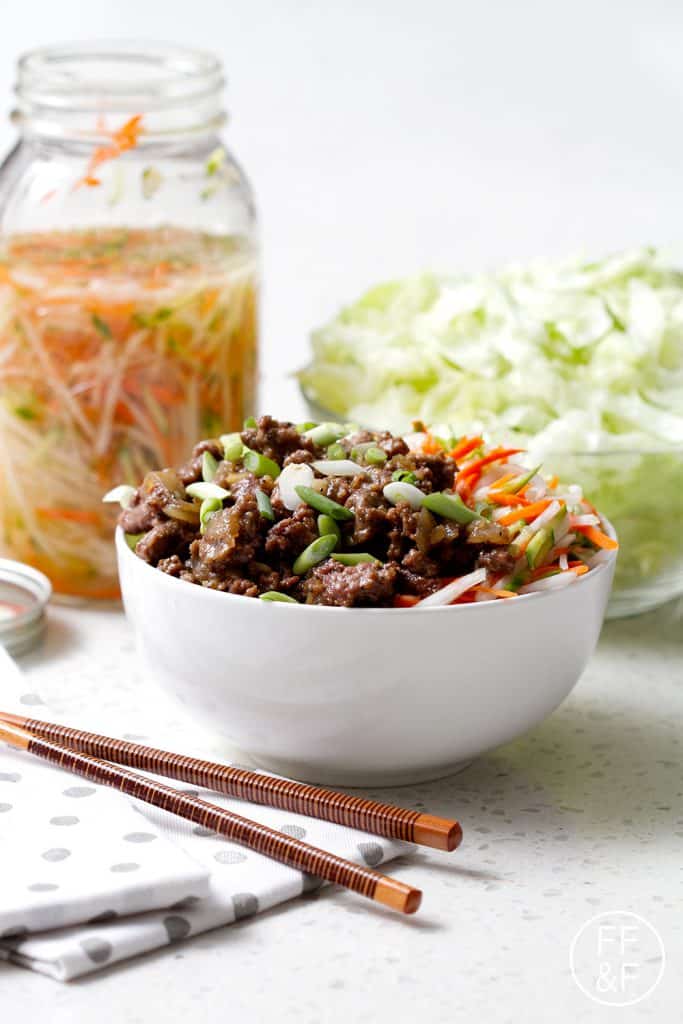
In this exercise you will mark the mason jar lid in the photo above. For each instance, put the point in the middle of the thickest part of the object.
(24, 593)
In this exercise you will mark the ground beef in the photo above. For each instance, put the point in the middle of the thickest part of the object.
(350, 586)
(165, 540)
(288, 538)
(249, 546)
(277, 440)
(232, 539)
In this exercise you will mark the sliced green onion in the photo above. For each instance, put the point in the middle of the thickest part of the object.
(400, 491)
(209, 467)
(259, 464)
(325, 433)
(328, 528)
(403, 476)
(307, 425)
(132, 539)
(264, 505)
(314, 553)
(275, 595)
(322, 504)
(123, 494)
(250, 423)
(375, 456)
(206, 490)
(451, 506)
(232, 446)
(355, 559)
(336, 451)
(207, 509)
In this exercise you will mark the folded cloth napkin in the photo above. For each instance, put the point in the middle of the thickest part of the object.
(91, 878)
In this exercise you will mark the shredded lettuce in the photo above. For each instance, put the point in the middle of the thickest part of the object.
(576, 358)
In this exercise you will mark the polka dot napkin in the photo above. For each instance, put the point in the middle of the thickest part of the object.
(91, 878)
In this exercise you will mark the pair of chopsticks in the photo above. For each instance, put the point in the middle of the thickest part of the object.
(89, 755)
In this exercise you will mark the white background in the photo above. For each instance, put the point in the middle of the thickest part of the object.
(387, 137)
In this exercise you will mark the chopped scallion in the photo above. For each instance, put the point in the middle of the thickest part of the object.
(250, 423)
(277, 597)
(450, 506)
(259, 464)
(123, 494)
(207, 509)
(264, 505)
(209, 466)
(204, 490)
(327, 527)
(232, 446)
(356, 558)
(314, 553)
(326, 433)
(322, 504)
(374, 456)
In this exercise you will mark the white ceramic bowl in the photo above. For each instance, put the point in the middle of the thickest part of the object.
(352, 696)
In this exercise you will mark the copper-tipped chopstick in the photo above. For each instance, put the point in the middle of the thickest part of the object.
(313, 801)
(292, 852)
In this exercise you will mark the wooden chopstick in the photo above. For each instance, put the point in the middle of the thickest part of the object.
(284, 848)
(313, 801)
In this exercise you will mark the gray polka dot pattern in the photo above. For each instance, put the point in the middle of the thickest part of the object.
(56, 854)
(43, 887)
(97, 950)
(140, 837)
(177, 927)
(371, 853)
(244, 904)
(229, 857)
(30, 699)
(10, 777)
(64, 819)
(4, 808)
(79, 791)
(125, 867)
(295, 831)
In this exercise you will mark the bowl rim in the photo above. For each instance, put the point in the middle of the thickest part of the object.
(124, 550)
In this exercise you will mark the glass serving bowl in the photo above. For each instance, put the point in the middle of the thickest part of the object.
(641, 493)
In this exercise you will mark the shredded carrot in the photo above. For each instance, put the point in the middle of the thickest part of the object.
(498, 498)
(126, 137)
(526, 512)
(552, 483)
(503, 480)
(405, 601)
(471, 471)
(431, 446)
(70, 515)
(578, 569)
(597, 537)
(465, 446)
(496, 593)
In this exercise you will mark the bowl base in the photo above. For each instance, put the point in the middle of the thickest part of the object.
(349, 778)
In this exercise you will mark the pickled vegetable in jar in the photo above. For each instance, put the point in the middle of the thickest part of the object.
(128, 294)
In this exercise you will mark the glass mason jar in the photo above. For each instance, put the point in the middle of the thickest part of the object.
(128, 293)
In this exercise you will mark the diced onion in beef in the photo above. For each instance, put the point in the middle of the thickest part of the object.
(338, 467)
(296, 474)
(399, 490)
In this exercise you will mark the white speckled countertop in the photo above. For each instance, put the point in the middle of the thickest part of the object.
(583, 815)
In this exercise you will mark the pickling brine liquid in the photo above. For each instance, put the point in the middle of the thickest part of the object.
(119, 349)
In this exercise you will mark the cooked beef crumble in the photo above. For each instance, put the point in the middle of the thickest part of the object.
(252, 541)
